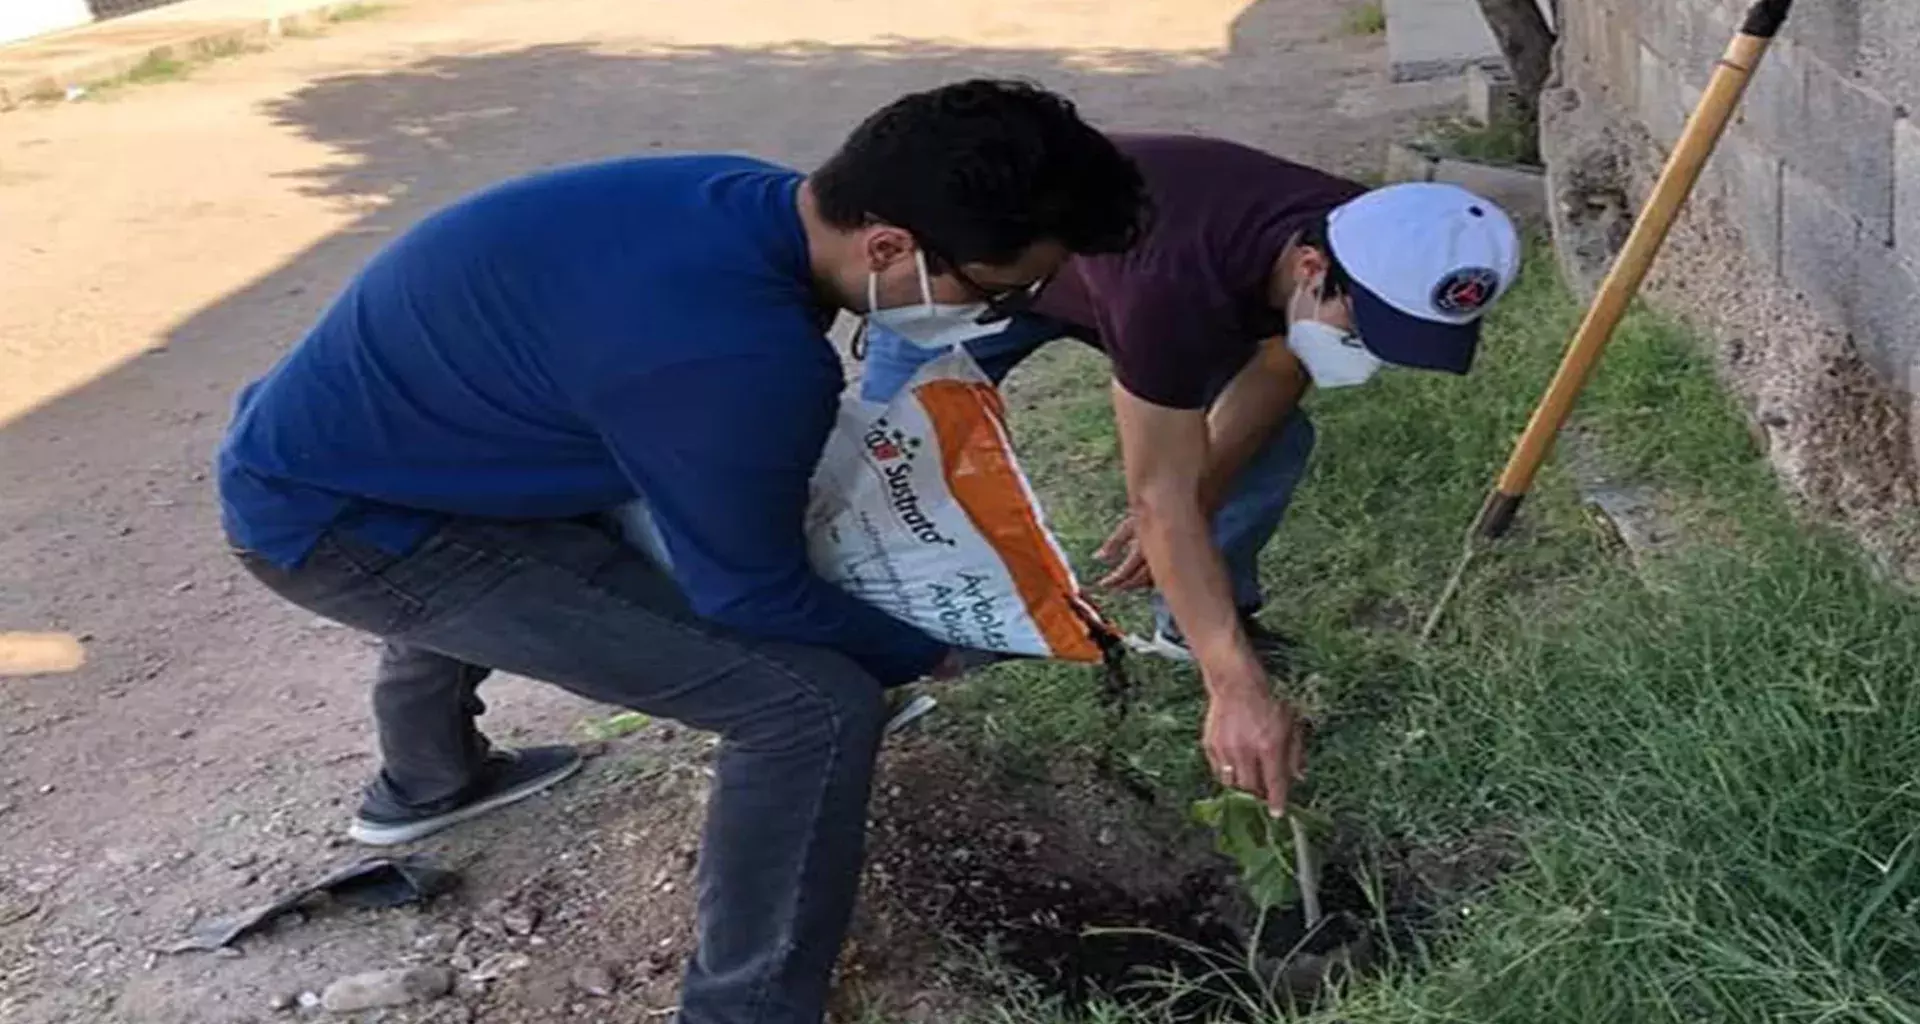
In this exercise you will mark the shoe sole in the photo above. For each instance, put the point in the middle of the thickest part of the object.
(913, 711)
(1158, 646)
(375, 834)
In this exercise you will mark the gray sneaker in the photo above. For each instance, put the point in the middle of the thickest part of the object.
(509, 777)
(1275, 650)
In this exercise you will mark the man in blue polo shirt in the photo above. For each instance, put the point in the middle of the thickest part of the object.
(427, 463)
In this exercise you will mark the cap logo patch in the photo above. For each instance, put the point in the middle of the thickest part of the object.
(1466, 291)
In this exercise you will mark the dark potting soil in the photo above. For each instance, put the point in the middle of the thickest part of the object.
(1065, 886)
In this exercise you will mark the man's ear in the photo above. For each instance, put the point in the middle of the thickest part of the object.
(886, 245)
(1310, 263)
(1298, 263)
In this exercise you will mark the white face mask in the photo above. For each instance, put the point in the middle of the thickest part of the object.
(1334, 358)
(935, 325)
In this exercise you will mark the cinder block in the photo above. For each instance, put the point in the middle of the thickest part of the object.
(1490, 95)
(1886, 315)
(1406, 162)
(1660, 92)
(1906, 186)
(1775, 105)
(1625, 72)
(1829, 31)
(1750, 178)
(1697, 41)
(1657, 23)
(1819, 247)
(1520, 192)
(1889, 34)
(1437, 38)
(1846, 144)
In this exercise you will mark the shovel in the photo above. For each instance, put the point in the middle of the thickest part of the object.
(1697, 141)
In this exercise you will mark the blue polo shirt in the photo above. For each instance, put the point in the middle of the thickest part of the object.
(555, 345)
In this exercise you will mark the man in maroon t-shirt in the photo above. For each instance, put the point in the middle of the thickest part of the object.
(1258, 277)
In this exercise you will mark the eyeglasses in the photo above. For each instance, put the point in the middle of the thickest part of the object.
(1003, 302)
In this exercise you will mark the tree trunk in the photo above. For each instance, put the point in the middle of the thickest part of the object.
(1527, 43)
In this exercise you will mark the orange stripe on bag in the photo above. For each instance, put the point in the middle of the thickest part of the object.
(978, 461)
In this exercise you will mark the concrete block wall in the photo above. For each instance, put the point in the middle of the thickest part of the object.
(1799, 252)
(1819, 177)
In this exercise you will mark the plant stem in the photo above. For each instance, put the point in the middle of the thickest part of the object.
(1306, 871)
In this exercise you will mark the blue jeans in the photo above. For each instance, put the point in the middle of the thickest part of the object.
(570, 603)
(1254, 505)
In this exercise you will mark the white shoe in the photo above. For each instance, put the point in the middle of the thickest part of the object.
(910, 712)
(1160, 645)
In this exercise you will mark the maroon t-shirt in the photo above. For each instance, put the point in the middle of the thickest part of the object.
(1187, 307)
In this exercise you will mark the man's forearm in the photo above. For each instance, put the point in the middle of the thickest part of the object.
(1193, 580)
(1246, 415)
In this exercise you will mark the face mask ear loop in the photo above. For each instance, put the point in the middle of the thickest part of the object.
(926, 280)
(1312, 307)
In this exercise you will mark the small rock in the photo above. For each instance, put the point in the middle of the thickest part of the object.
(307, 1000)
(376, 989)
(228, 953)
(16, 910)
(282, 1002)
(243, 862)
(445, 940)
(595, 980)
(500, 965)
(520, 920)
(48, 788)
(183, 734)
(183, 586)
(1106, 837)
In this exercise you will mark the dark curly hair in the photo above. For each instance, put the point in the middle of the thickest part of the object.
(980, 170)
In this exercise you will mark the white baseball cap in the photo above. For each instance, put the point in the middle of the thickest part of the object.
(1425, 260)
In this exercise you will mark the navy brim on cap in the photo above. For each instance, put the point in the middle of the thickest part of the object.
(1412, 341)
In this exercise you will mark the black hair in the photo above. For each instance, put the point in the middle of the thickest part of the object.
(980, 170)
(1318, 236)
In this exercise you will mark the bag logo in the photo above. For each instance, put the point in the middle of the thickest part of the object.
(1466, 291)
(894, 450)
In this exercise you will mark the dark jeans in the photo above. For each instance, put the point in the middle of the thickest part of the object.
(568, 603)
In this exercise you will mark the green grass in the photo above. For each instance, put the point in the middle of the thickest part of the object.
(355, 12)
(1712, 782)
(1367, 19)
(158, 67)
(1504, 141)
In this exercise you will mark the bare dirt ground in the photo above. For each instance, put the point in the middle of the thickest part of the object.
(164, 243)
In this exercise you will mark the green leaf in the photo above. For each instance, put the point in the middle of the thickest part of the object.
(615, 726)
(1257, 841)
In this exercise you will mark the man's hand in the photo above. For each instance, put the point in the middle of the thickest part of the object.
(1254, 742)
(1122, 551)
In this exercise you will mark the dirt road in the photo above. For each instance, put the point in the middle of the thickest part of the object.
(161, 245)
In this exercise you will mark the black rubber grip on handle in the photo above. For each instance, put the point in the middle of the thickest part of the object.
(1497, 515)
(1765, 18)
